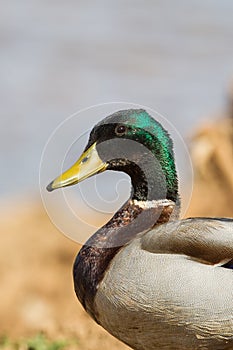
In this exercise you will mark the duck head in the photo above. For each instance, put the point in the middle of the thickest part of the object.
(130, 141)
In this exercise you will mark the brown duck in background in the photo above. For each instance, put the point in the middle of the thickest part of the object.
(152, 281)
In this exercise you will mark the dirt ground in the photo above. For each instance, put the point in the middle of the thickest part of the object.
(36, 293)
(36, 260)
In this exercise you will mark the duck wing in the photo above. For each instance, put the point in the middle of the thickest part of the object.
(207, 240)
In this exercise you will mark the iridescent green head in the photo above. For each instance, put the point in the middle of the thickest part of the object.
(133, 142)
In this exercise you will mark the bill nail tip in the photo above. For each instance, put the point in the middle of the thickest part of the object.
(50, 188)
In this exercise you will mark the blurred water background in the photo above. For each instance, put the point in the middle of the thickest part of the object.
(59, 56)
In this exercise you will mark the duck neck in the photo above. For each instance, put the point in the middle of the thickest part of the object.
(153, 184)
(151, 179)
(134, 218)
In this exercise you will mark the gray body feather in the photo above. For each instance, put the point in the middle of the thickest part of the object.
(166, 290)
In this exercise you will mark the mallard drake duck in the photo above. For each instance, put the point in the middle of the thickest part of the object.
(151, 280)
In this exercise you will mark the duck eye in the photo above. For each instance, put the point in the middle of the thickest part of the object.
(120, 130)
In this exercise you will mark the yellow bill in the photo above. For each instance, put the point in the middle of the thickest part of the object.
(88, 164)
